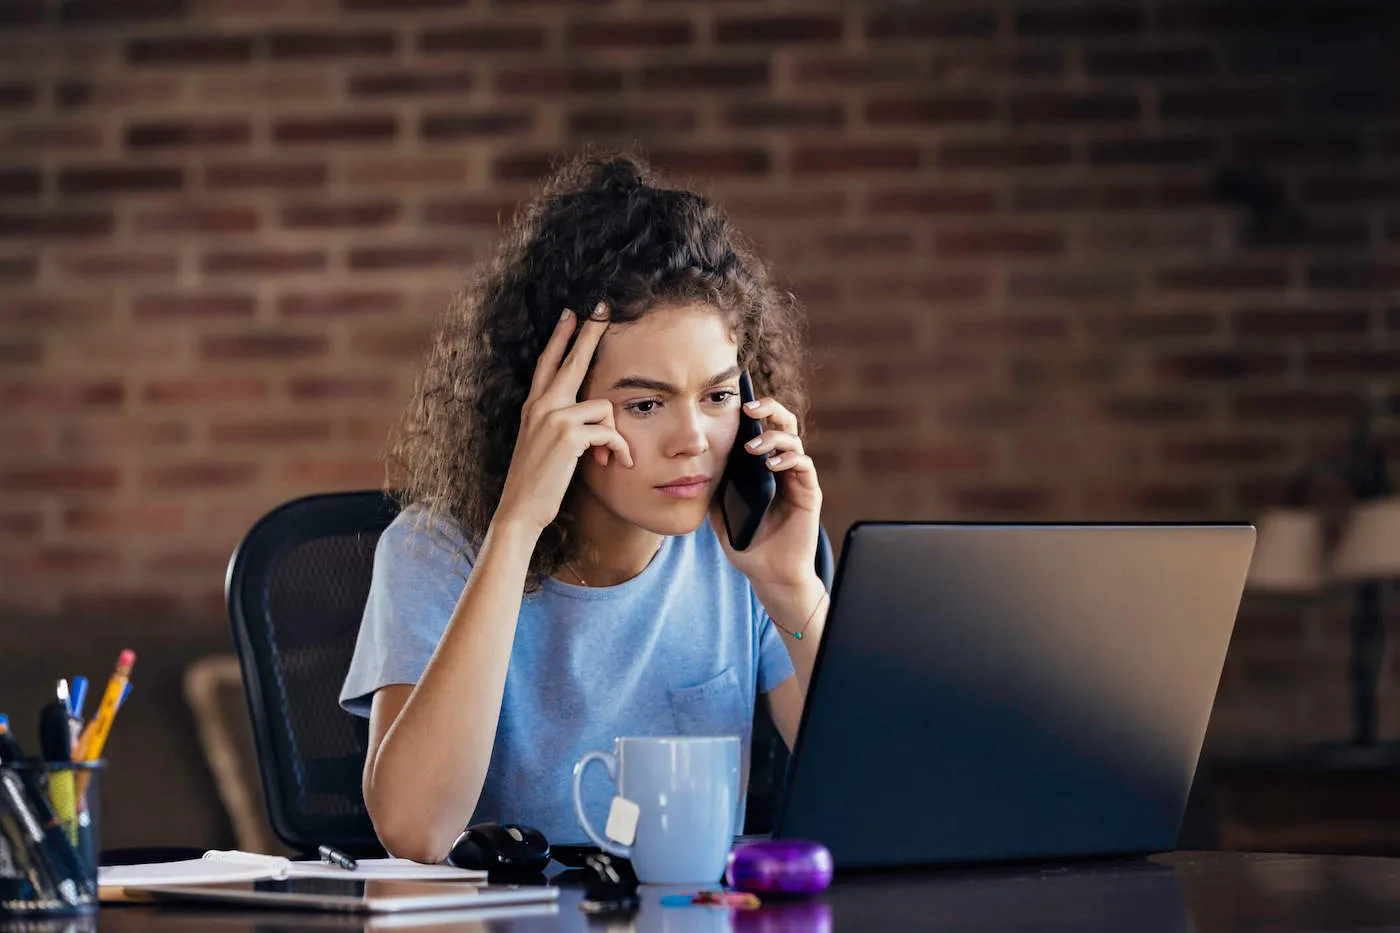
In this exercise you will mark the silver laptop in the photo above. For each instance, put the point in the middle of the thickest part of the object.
(990, 692)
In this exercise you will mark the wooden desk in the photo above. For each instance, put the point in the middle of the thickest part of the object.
(1180, 892)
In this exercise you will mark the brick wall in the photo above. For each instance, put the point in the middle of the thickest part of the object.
(226, 226)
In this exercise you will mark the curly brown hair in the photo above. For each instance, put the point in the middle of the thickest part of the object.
(602, 228)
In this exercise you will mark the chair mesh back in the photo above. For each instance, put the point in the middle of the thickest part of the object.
(297, 591)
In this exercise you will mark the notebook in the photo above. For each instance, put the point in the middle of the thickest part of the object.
(221, 866)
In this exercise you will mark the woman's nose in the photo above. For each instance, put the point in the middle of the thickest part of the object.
(690, 438)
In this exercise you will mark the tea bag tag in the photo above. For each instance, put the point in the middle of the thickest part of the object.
(622, 821)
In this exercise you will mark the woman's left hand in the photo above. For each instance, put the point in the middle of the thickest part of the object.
(783, 551)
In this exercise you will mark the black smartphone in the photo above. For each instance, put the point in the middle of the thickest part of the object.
(748, 486)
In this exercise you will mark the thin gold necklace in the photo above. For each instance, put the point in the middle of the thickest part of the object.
(576, 573)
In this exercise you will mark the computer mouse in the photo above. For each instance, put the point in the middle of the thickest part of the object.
(500, 847)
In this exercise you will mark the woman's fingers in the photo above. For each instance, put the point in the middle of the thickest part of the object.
(769, 408)
(604, 438)
(548, 364)
(775, 440)
(569, 379)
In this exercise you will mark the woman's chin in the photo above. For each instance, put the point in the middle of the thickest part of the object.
(674, 521)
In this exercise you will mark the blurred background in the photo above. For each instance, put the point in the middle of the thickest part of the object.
(1122, 260)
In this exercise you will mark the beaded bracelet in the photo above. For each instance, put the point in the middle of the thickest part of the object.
(798, 634)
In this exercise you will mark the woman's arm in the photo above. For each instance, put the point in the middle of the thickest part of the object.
(429, 744)
(790, 609)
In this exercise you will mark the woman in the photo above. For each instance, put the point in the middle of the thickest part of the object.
(560, 574)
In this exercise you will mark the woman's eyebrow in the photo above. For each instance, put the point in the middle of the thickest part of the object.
(656, 385)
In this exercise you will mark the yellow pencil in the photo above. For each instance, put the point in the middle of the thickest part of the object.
(95, 735)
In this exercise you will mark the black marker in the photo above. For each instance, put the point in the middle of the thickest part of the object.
(333, 856)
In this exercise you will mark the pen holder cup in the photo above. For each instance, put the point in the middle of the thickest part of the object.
(49, 818)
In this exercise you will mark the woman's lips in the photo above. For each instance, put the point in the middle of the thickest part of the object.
(684, 490)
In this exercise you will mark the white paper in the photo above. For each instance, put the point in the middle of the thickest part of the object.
(250, 866)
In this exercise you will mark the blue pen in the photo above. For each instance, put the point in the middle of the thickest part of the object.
(77, 696)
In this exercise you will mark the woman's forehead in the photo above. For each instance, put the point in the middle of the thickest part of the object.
(679, 344)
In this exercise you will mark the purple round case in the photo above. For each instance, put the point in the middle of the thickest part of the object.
(779, 866)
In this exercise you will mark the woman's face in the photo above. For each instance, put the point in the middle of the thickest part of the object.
(673, 381)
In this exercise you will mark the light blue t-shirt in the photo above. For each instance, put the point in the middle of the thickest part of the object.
(683, 648)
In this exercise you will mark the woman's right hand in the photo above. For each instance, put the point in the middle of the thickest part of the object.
(556, 429)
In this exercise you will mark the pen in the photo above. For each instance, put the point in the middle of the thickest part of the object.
(56, 745)
(36, 819)
(333, 856)
(78, 696)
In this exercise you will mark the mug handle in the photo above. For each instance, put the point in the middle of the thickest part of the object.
(609, 761)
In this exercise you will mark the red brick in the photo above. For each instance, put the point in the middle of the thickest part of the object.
(494, 122)
(1218, 104)
(777, 30)
(966, 108)
(60, 478)
(947, 199)
(17, 96)
(119, 265)
(49, 310)
(52, 136)
(108, 393)
(150, 517)
(406, 172)
(942, 368)
(270, 89)
(108, 605)
(1223, 277)
(925, 458)
(275, 175)
(1300, 322)
(1353, 363)
(524, 166)
(198, 563)
(306, 44)
(339, 303)
(20, 352)
(267, 261)
(551, 81)
(1350, 189)
(146, 91)
(1003, 499)
(782, 115)
(120, 178)
(1326, 148)
(15, 525)
(1011, 328)
(904, 25)
(278, 432)
(166, 133)
(182, 220)
(190, 50)
(190, 475)
(1155, 409)
(398, 6)
(392, 83)
(323, 388)
(874, 333)
(401, 343)
(1182, 150)
(347, 214)
(1232, 451)
(61, 559)
(340, 129)
(788, 206)
(855, 72)
(53, 225)
(1150, 63)
(14, 269)
(853, 244)
(333, 474)
(926, 288)
(1222, 365)
(1001, 241)
(998, 154)
(87, 12)
(1158, 497)
(1213, 19)
(1354, 276)
(1154, 327)
(1070, 285)
(706, 76)
(1295, 406)
(409, 256)
(21, 182)
(1074, 108)
(1056, 21)
(469, 212)
(630, 34)
(201, 390)
(196, 306)
(490, 39)
(712, 162)
(853, 157)
(631, 120)
(263, 346)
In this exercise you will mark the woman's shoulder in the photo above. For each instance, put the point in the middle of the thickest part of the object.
(425, 536)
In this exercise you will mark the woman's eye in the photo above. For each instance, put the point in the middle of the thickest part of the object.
(723, 396)
(644, 407)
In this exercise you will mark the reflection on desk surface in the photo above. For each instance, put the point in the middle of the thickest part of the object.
(1205, 892)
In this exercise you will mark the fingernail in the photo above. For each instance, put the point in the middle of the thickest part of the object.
(775, 461)
(753, 443)
(565, 315)
(752, 405)
(600, 313)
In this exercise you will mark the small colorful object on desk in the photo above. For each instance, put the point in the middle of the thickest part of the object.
(780, 867)
(718, 898)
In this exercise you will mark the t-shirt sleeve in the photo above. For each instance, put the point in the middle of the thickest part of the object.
(413, 590)
(774, 664)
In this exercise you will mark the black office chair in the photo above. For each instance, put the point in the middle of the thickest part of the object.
(297, 586)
